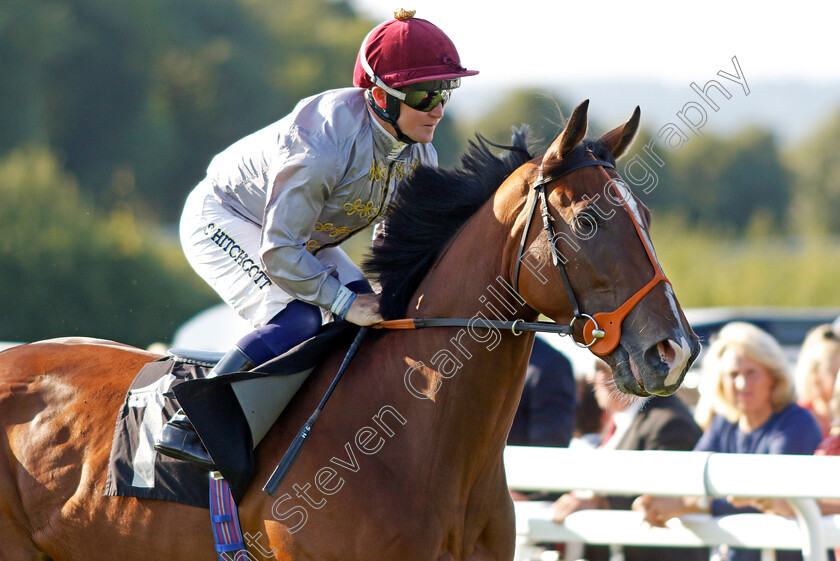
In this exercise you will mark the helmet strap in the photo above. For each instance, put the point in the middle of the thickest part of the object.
(390, 113)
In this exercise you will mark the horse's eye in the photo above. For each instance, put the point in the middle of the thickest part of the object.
(596, 217)
(585, 224)
(588, 217)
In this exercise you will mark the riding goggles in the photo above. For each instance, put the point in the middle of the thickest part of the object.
(425, 101)
(425, 96)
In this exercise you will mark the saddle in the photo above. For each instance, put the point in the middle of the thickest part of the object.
(178, 380)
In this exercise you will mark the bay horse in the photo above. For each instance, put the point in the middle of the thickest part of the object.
(406, 460)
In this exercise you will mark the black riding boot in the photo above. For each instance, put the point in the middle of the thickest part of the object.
(178, 438)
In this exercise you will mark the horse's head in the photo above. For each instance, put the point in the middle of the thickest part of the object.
(598, 271)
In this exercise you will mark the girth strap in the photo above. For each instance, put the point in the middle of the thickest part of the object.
(224, 517)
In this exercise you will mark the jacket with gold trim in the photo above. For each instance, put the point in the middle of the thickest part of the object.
(311, 180)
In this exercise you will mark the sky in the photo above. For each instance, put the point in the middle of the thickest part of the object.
(544, 41)
(655, 49)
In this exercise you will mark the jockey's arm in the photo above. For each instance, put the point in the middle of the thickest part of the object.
(300, 191)
(302, 185)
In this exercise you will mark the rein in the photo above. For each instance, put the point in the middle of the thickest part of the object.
(517, 326)
(603, 339)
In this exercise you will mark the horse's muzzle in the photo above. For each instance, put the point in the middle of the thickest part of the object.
(658, 370)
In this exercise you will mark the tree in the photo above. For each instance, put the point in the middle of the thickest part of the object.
(544, 114)
(725, 182)
(815, 168)
(70, 270)
(644, 168)
(137, 96)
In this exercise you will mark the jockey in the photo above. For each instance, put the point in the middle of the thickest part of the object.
(263, 227)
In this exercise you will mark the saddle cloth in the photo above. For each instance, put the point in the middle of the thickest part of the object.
(135, 469)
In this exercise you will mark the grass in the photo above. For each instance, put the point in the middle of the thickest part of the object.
(713, 268)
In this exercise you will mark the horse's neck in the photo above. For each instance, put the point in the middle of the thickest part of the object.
(470, 281)
(473, 274)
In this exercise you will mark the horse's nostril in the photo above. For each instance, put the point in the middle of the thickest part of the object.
(659, 356)
(666, 352)
(669, 358)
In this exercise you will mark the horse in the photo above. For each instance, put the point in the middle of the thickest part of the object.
(406, 461)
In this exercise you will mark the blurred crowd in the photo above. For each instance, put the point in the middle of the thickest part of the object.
(750, 399)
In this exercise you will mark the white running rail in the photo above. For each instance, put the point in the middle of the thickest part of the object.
(800, 479)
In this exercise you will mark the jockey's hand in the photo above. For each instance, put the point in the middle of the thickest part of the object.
(364, 310)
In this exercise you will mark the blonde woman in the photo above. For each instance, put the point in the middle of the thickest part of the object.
(755, 413)
(830, 446)
(816, 371)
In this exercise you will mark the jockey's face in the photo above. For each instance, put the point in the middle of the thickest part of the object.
(417, 125)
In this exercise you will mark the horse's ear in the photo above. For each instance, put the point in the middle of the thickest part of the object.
(619, 139)
(571, 136)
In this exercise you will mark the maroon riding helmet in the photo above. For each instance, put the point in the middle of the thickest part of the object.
(404, 55)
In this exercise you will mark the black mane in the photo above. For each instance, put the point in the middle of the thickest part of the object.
(428, 210)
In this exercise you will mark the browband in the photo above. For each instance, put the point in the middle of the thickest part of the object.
(567, 170)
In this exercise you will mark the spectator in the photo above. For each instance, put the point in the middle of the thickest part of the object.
(755, 414)
(590, 419)
(655, 423)
(816, 371)
(830, 446)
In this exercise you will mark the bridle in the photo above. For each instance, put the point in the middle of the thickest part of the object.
(604, 328)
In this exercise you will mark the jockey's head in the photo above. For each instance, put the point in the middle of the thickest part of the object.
(408, 61)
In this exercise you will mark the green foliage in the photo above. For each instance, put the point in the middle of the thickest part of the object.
(133, 99)
(68, 270)
(708, 267)
(723, 182)
(545, 115)
(643, 167)
(138, 95)
(816, 180)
